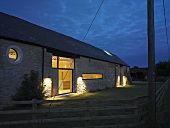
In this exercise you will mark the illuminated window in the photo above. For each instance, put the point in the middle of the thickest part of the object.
(54, 61)
(62, 62)
(66, 63)
(12, 54)
(92, 76)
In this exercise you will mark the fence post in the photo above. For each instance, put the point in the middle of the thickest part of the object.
(34, 107)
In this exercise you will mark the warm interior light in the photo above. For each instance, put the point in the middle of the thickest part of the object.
(12, 54)
(64, 81)
(92, 76)
(47, 86)
(66, 62)
(54, 61)
(63, 62)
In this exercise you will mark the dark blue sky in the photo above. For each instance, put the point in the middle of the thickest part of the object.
(120, 26)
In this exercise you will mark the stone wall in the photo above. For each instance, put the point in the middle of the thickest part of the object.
(47, 64)
(117, 75)
(87, 65)
(121, 75)
(47, 74)
(11, 75)
(124, 72)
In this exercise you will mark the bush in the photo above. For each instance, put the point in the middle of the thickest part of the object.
(31, 88)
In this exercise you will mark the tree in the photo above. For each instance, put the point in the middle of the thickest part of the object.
(31, 88)
(162, 71)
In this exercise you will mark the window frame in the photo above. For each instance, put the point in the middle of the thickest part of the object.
(18, 52)
(58, 65)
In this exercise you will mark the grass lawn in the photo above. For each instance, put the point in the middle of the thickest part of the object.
(137, 89)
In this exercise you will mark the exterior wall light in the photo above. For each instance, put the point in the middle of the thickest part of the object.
(81, 86)
(47, 86)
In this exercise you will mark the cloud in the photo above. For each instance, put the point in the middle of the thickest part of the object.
(120, 26)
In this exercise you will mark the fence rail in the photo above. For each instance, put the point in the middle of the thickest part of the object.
(89, 108)
(45, 111)
(160, 97)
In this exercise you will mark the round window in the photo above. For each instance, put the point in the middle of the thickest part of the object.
(14, 54)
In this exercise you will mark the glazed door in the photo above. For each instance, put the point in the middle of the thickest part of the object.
(64, 81)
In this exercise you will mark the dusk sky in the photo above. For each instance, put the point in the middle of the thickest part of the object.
(120, 26)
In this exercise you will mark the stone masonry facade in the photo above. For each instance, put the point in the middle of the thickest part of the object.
(36, 58)
(88, 65)
(11, 75)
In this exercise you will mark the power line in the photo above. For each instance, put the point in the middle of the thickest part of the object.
(83, 40)
(166, 29)
(93, 20)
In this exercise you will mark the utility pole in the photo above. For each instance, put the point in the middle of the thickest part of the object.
(151, 65)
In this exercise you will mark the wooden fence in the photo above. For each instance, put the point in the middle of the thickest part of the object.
(91, 113)
(97, 113)
(160, 97)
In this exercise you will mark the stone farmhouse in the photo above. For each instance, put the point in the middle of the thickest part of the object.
(65, 65)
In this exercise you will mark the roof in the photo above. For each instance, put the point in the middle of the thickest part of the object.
(18, 29)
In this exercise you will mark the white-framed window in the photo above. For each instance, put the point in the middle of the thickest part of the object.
(14, 54)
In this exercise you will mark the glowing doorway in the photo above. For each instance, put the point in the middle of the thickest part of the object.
(64, 81)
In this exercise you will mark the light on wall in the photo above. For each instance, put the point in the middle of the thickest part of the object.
(47, 86)
(124, 80)
(118, 81)
(81, 86)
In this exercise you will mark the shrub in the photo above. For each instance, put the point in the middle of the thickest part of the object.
(31, 88)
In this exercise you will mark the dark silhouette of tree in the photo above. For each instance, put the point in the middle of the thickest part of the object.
(163, 69)
(31, 88)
